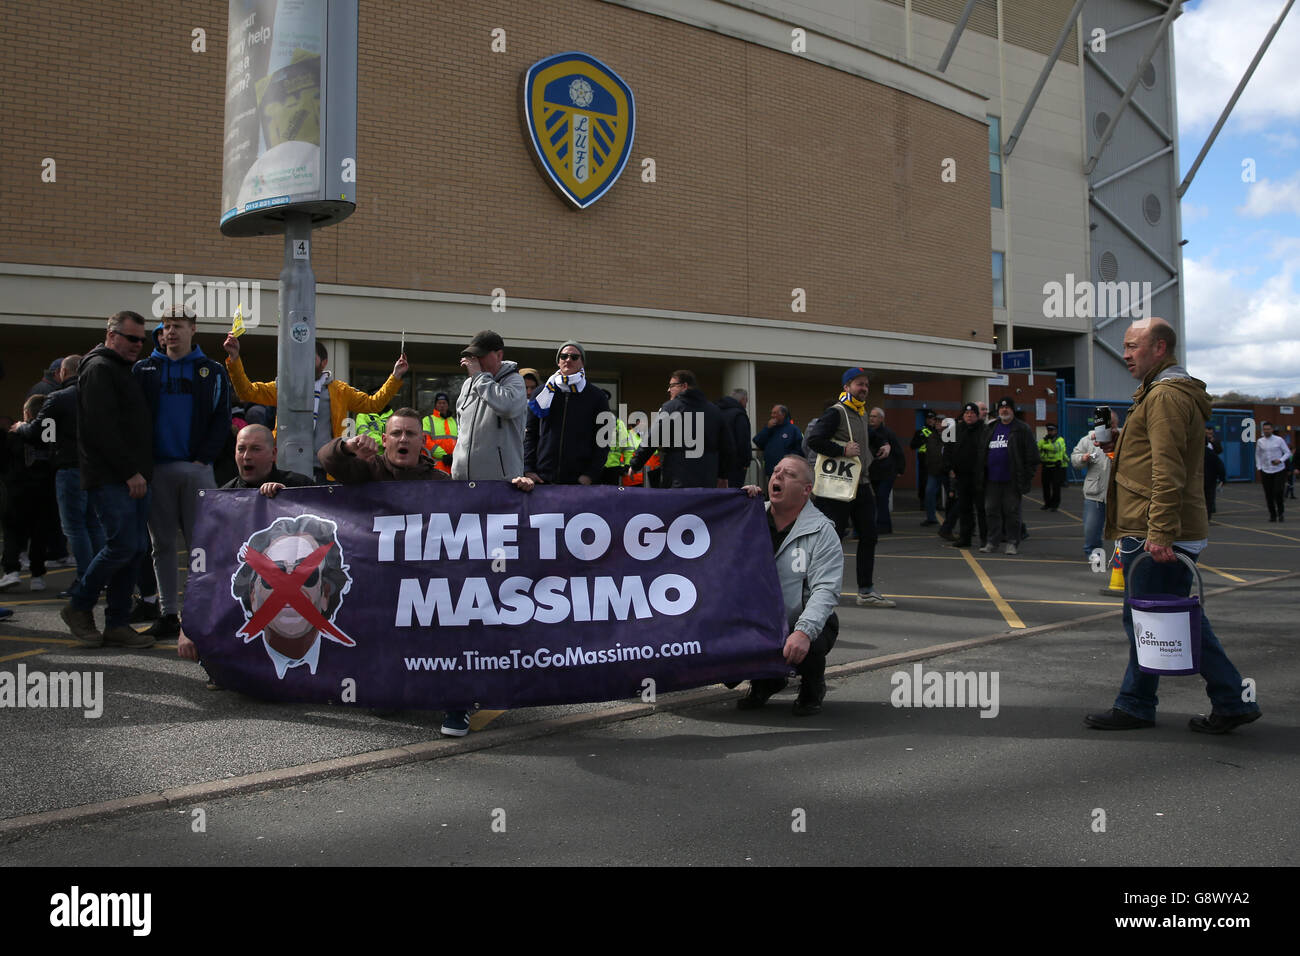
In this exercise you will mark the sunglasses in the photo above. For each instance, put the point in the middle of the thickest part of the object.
(137, 339)
(311, 582)
(569, 356)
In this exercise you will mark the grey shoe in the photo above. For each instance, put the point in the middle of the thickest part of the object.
(874, 599)
(122, 635)
(1011, 549)
(986, 549)
(82, 626)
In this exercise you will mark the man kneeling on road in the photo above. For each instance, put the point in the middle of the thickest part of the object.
(810, 565)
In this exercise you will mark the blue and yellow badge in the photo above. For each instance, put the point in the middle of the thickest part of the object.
(580, 117)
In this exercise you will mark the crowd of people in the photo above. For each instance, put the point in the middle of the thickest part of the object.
(114, 449)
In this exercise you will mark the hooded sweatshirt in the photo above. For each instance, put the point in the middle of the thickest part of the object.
(190, 401)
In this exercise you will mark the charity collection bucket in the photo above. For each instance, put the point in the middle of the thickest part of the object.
(1166, 627)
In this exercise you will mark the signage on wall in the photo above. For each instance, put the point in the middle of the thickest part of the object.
(902, 388)
(579, 117)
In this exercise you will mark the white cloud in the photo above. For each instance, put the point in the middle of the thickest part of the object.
(1244, 339)
(1284, 142)
(1267, 198)
(1194, 212)
(1214, 42)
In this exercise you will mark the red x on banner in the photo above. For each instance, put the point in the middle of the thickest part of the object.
(286, 588)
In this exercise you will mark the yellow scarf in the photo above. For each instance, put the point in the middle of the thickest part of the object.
(847, 399)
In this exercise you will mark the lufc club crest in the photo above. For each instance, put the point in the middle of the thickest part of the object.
(579, 116)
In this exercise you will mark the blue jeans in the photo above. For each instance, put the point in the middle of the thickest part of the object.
(1137, 696)
(1094, 522)
(85, 533)
(126, 532)
(932, 485)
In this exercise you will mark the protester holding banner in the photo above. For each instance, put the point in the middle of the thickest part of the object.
(255, 457)
(1152, 506)
(842, 431)
(810, 565)
(560, 446)
(360, 459)
(490, 413)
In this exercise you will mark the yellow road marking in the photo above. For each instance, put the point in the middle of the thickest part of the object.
(480, 719)
(40, 640)
(14, 657)
(1221, 573)
(1010, 616)
(951, 597)
(1285, 537)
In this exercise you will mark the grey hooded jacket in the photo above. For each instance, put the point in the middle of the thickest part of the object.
(491, 413)
(810, 564)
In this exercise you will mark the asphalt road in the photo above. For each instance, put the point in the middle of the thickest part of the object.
(709, 785)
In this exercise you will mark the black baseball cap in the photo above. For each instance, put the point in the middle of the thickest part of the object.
(483, 343)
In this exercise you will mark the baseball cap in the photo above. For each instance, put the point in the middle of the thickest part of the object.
(850, 374)
(525, 372)
(483, 343)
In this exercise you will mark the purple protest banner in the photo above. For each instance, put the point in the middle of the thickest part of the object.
(448, 594)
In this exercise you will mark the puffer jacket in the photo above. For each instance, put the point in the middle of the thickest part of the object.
(1156, 485)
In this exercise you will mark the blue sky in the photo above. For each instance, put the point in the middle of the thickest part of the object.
(1242, 262)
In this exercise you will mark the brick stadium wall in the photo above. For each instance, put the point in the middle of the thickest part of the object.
(774, 172)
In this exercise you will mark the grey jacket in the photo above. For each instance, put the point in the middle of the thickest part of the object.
(491, 413)
(1097, 473)
(812, 592)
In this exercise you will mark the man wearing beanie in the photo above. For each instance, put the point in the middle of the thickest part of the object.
(842, 431)
(560, 446)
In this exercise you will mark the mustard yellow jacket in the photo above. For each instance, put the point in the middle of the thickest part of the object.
(344, 399)
(1156, 490)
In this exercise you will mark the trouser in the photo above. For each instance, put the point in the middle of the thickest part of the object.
(85, 533)
(963, 516)
(32, 512)
(933, 484)
(1211, 485)
(1094, 522)
(862, 512)
(126, 541)
(176, 486)
(812, 669)
(1223, 683)
(1002, 505)
(882, 489)
(1053, 479)
(1274, 487)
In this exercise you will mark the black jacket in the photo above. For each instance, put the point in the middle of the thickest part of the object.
(679, 469)
(60, 407)
(562, 446)
(736, 420)
(892, 465)
(114, 424)
(290, 479)
(1024, 455)
(962, 455)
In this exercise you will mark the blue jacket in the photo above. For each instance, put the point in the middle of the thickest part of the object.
(779, 441)
(201, 435)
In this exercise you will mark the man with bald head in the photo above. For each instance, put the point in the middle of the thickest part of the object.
(1155, 504)
(255, 459)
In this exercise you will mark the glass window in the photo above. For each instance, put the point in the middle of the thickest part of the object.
(995, 161)
(999, 293)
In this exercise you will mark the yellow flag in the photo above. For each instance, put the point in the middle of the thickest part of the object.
(237, 326)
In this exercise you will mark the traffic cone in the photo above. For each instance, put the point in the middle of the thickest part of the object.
(1116, 586)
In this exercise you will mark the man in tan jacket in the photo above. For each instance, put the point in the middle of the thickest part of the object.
(1155, 503)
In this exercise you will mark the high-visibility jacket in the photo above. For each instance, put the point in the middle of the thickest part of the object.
(625, 446)
(440, 440)
(1052, 453)
(637, 479)
(374, 424)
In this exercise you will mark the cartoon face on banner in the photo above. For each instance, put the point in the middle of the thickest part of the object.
(290, 583)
